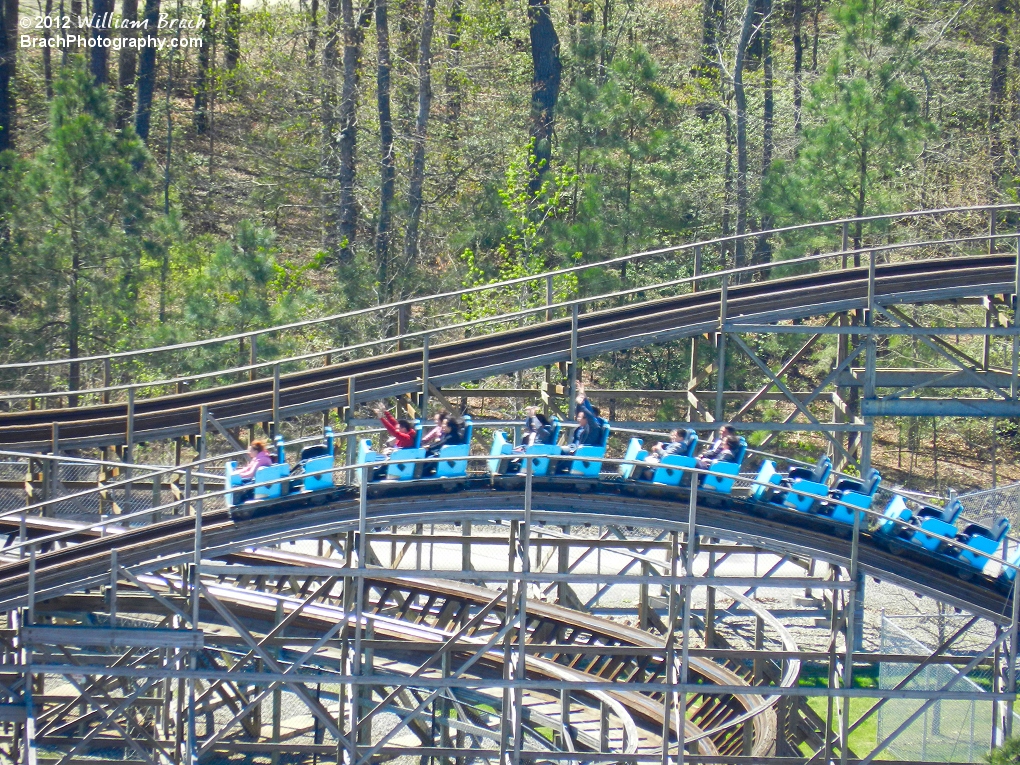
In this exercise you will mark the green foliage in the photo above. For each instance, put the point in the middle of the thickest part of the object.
(228, 287)
(631, 163)
(1007, 754)
(80, 225)
(863, 123)
(523, 249)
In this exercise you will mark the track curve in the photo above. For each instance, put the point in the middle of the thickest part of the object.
(88, 563)
(631, 325)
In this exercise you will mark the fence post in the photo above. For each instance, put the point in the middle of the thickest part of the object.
(129, 447)
(573, 357)
(55, 467)
(276, 402)
(253, 356)
(424, 413)
(721, 360)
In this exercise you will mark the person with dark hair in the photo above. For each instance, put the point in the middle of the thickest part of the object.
(437, 432)
(718, 446)
(679, 442)
(453, 435)
(258, 457)
(724, 449)
(589, 430)
(402, 432)
(537, 429)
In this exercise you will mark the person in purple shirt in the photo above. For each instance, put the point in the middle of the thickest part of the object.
(258, 456)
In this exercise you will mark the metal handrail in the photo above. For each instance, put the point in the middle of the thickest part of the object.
(502, 318)
(518, 280)
(103, 524)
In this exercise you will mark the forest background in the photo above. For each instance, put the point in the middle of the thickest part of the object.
(294, 160)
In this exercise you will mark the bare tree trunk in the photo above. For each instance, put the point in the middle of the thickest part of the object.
(387, 166)
(128, 66)
(798, 63)
(741, 102)
(453, 75)
(232, 35)
(417, 182)
(763, 249)
(997, 94)
(348, 125)
(545, 86)
(147, 72)
(47, 55)
(711, 27)
(814, 41)
(313, 32)
(330, 133)
(100, 54)
(76, 14)
(203, 85)
(8, 70)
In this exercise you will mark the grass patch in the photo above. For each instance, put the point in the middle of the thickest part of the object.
(864, 738)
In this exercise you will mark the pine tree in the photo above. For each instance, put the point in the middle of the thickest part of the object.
(862, 126)
(81, 270)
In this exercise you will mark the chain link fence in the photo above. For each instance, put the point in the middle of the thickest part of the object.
(949, 730)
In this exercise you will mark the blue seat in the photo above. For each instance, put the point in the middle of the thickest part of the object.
(589, 458)
(933, 526)
(556, 425)
(366, 454)
(230, 480)
(541, 465)
(450, 467)
(738, 457)
(936, 520)
(277, 474)
(983, 539)
(588, 461)
(819, 473)
(843, 514)
(501, 447)
(722, 484)
(417, 434)
(314, 459)
(405, 471)
(692, 446)
(671, 470)
(896, 510)
(767, 477)
(633, 449)
(815, 492)
(867, 485)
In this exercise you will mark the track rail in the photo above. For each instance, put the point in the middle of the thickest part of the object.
(548, 342)
(87, 564)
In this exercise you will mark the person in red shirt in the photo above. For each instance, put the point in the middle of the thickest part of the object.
(402, 431)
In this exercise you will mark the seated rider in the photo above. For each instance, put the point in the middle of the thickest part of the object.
(402, 432)
(679, 442)
(588, 432)
(453, 435)
(537, 429)
(258, 457)
(437, 432)
(714, 452)
(726, 453)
